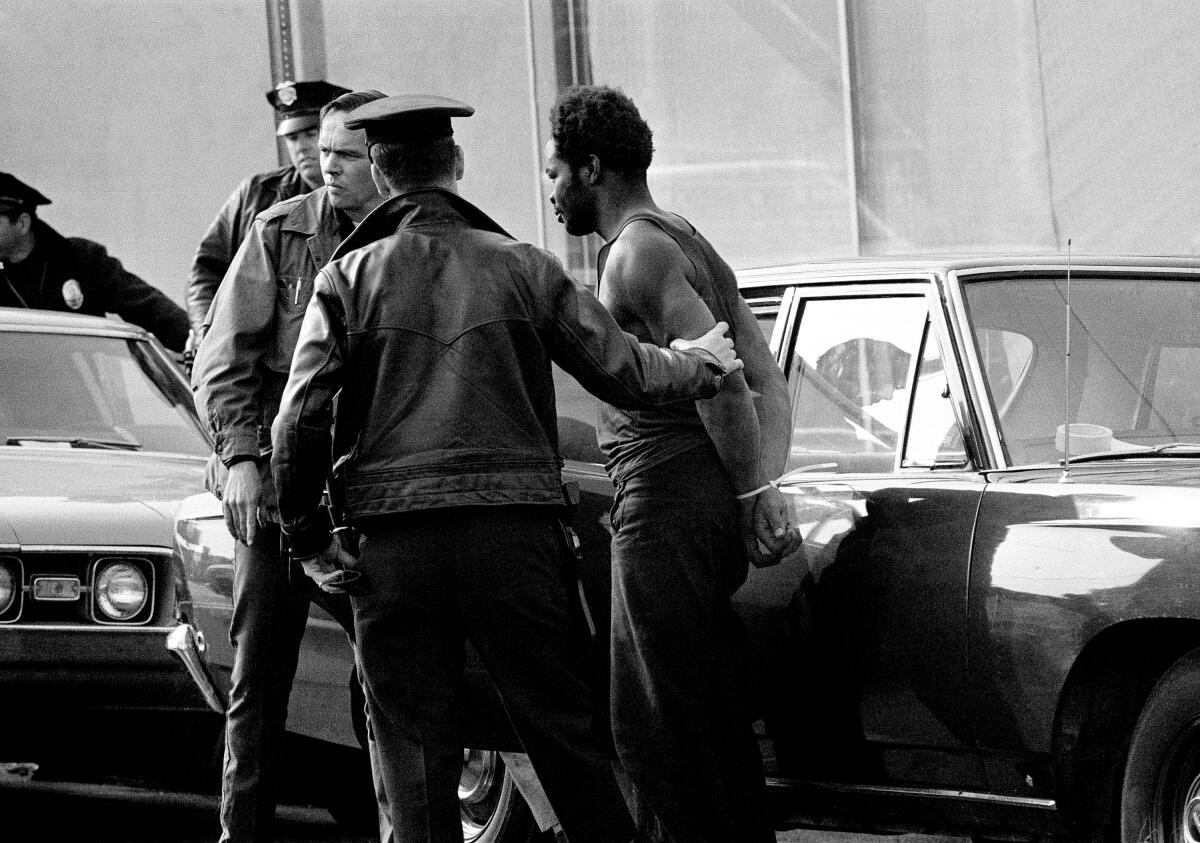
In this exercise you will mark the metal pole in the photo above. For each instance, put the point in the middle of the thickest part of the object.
(535, 129)
(849, 120)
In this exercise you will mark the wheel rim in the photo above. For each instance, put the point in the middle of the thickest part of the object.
(1178, 789)
(480, 787)
(1191, 813)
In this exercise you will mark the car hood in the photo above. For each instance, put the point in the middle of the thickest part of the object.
(83, 497)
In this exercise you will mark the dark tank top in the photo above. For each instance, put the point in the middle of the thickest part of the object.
(635, 440)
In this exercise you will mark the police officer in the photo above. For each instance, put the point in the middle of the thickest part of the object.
(437, 332)
(239, 373)
(39, 268)
(297, 104)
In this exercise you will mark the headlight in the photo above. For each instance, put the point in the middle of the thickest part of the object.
(10, 586)
(121, 590)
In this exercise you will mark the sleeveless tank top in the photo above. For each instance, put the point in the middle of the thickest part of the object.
(635, 440)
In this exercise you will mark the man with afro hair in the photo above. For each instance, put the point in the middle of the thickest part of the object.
(694, 501)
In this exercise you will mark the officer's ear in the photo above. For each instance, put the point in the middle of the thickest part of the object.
(381, 185)
(460, 163)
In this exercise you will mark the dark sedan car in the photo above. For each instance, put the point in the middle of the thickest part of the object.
(980, 637)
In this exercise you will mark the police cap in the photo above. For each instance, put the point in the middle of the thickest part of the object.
(407, 117)
(298, 104)
(16, 195)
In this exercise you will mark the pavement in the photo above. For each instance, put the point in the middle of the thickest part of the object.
(55, 812)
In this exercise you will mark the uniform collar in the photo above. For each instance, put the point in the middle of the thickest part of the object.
(315, 217)
(413, 208)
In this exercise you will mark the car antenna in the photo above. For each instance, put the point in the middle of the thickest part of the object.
(1066, 472)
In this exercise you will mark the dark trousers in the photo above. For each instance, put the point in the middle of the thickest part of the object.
(269, 617)
(681, 724)
(492, 576)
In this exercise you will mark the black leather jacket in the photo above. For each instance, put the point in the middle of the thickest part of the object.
(226, 233)
(74, 274)
(439, 330)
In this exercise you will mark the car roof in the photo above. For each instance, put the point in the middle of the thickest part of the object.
(53, 321)
(940, 264)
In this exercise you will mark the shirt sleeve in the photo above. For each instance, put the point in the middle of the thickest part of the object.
(131, 298)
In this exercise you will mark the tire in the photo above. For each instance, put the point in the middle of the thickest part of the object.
(1160, 792)
(491, 806)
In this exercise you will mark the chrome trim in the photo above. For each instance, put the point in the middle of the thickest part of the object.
(921, 792)
(187, 644)
(18, 592)
(132, 333)
(109, 550)
(85, 629)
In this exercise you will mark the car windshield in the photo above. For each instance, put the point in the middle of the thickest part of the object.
(1135, 351)
(68, 390)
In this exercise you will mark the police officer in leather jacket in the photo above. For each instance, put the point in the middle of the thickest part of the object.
(437, 330)
(296, 105)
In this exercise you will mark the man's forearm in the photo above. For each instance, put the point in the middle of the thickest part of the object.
(775, 431)
(732, 424)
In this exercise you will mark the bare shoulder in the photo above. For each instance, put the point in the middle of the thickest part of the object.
(642, 251)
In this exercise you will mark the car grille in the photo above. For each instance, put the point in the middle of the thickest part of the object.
(58, 587)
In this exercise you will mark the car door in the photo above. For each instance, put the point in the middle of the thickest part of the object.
(863, 644)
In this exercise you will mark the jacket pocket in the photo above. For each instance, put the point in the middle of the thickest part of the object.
(292, 293)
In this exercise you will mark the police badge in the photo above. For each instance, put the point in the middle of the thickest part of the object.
(286, 92)
(72, 294)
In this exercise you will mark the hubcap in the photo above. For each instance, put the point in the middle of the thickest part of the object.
(1191, 813)
(478, 791)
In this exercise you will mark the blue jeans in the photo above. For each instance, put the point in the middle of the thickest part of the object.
(680, 721)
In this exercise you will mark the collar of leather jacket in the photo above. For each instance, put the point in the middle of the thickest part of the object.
(408, 208)
(314, 216)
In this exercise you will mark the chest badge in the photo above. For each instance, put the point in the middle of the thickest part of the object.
(72, 294)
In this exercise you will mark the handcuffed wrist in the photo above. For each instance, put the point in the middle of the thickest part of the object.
(770, 484)
(308, 541)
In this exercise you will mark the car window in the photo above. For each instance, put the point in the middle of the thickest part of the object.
(849, 377)
(1134, 353)
(934, 437)
(63, 389)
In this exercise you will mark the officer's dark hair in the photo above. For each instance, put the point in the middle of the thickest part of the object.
(418, 160)
(349, 102)
(601, 121)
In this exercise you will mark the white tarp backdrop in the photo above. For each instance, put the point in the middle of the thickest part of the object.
(785, 129)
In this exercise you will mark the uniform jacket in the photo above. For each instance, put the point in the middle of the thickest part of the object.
(229, 229)
(79, 275)
(439, 329)
(250, 332)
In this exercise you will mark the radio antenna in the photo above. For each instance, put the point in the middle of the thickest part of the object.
(1066, 472)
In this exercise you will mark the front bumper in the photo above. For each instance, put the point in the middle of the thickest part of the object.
(61, 668)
